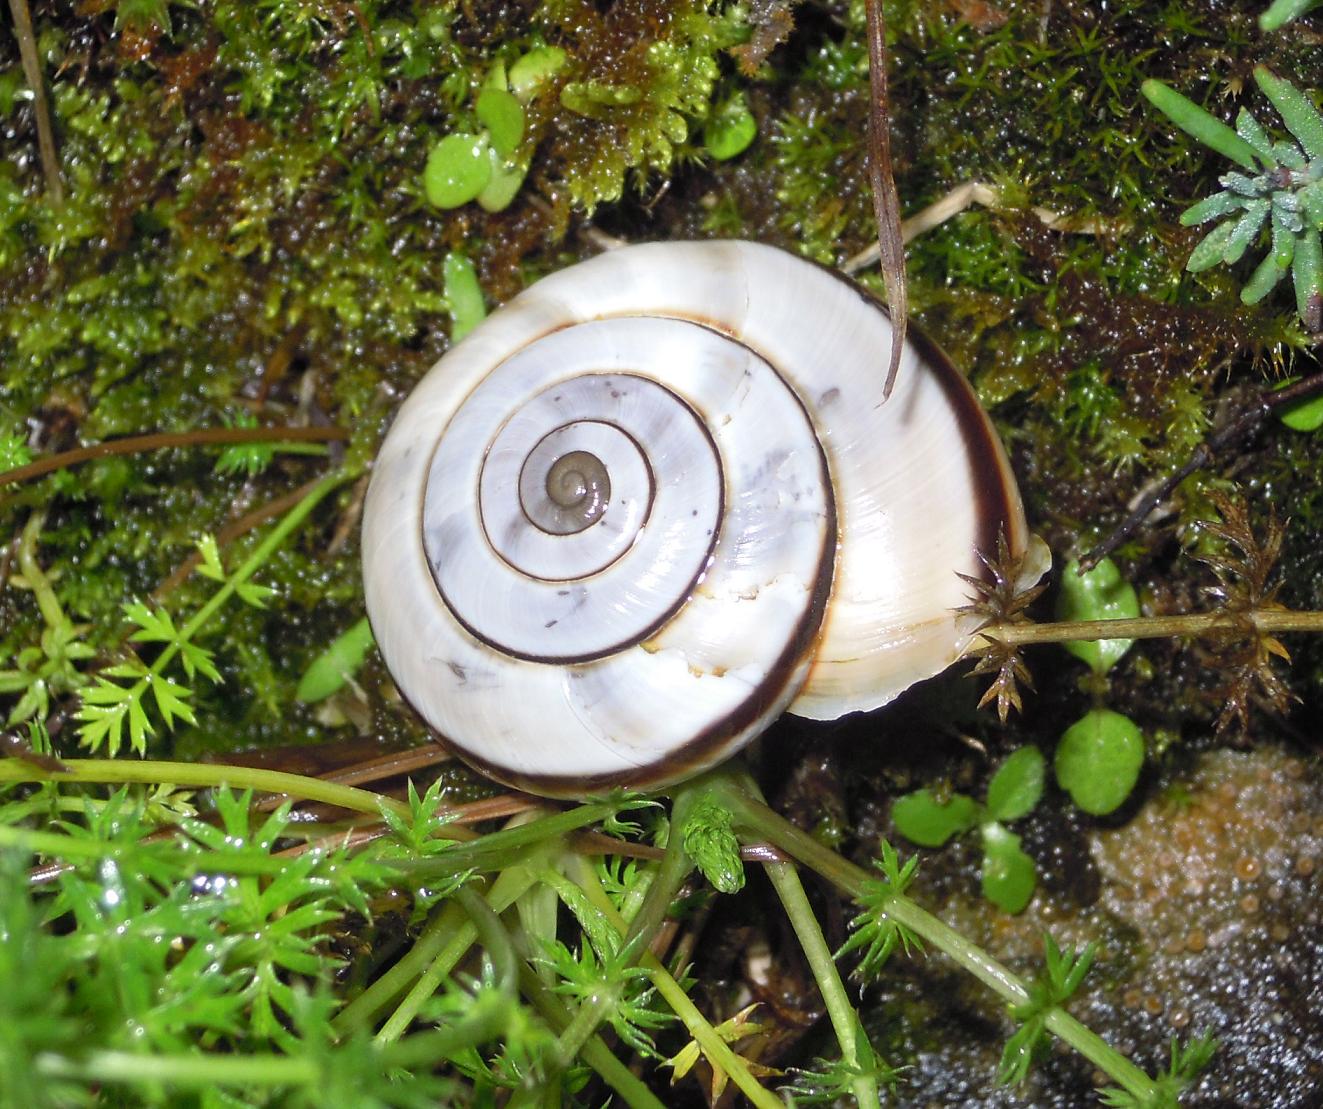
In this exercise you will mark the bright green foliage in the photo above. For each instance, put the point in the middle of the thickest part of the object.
(1304, 415)
(1060, 977)
(193, 960)
(1100, 594)
(929, 820)
(46, 670)
(534, 69)
(1186, 1062)
(1283, 192)
(463, 295)
(420, 835)
(630, 112)
(337, 664)
(36, 1010)
(875, 932)
(633, 1015)
(1017, 786)
(458, 169)
(1281, 12)
(13, 453)
(503, 116)
(487, 165)
(110, 709)
(709, 839)
(730, 129)
(1008, 876)
(836, 1081)
(1099, 759)
(249, 459)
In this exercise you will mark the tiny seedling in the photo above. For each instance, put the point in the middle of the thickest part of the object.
(484, 164)
(1099, 756)
(930, 821)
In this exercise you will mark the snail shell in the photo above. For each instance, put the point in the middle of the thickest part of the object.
(656, 500)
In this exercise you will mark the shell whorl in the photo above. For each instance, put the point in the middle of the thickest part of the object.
(656, 499)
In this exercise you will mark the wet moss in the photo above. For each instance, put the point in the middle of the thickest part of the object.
(245, 234)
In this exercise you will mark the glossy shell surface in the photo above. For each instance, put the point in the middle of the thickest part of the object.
(657, 499)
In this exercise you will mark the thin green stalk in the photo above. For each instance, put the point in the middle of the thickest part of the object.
(447, 946)
(674, 868)
(445, 918)
(265, 549)
(718, 1052)
(844, 1020)
(757, 819)
(36, 578)
(500, 849)
(594, 1052)
(181, 1071)
(489, 1017)
(211, 776)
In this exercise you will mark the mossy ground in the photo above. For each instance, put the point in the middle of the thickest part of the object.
(245, 235)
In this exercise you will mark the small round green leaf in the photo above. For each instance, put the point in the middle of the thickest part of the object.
(503, 185)
(1008, 873)
(730, 129)
(1101, 594)
(336, 665)
(1017, 785)
(1304, 415)
(503, 117)
(1098, 760)
(457, 170)
(923, 819)
(534, 69)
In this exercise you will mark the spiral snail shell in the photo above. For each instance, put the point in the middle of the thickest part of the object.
(656, 500)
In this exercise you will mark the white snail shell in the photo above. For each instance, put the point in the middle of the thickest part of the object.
(657, 499)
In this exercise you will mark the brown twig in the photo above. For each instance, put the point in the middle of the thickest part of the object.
(136, 444)
(231, 531)
(41, 109)
(886, 201)
(1247, 422)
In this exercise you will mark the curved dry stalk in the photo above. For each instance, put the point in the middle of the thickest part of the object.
(41, 108)
(136, 444)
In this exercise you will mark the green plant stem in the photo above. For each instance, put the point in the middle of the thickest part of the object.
(594, 1051)
(488, 1018)
(441, 924)
(181, 1071)
(757, 819)
(718, 1052)
(1154, 627)
(269, 545)
(844, 1020)
(673, 870)
(36, 578)
(211, 776)
(438, 951)
(500, 849)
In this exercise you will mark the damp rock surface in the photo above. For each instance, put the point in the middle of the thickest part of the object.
(1208, 919)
